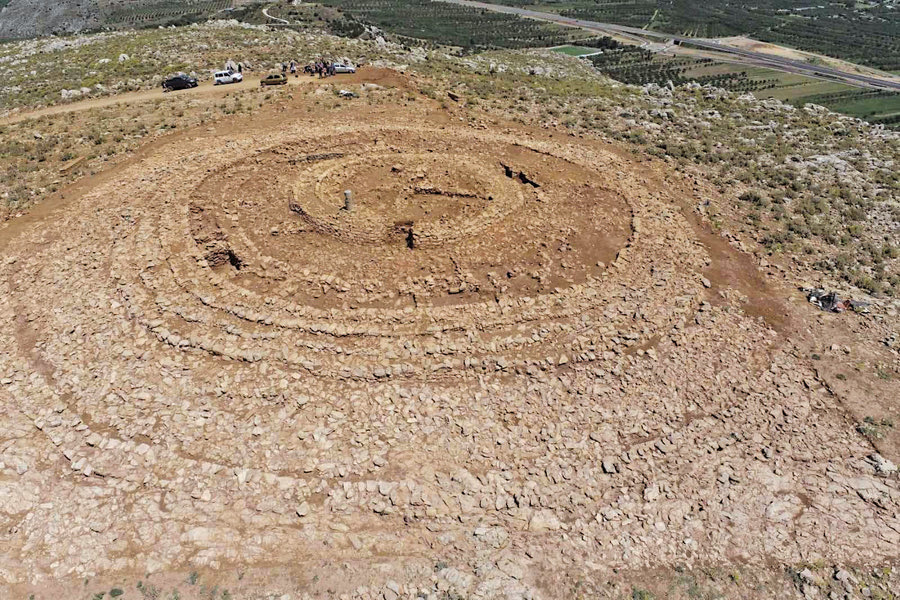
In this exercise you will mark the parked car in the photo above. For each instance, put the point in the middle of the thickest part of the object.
(223, 77)
(273, 79)
(342, 68)
(179, 82)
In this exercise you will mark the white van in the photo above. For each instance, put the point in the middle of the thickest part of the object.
(223, 77)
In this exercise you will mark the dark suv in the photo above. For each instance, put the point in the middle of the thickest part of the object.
(179, 82)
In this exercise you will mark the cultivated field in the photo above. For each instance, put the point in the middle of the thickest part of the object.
(863, 32)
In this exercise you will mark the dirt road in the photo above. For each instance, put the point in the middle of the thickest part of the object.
(265, 11)
(204, 89)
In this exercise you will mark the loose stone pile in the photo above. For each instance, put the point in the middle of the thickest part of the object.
(503, 358)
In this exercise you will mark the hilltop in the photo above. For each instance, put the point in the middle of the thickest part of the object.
(555, 346)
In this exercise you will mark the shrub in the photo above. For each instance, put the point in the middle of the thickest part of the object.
(755, 198)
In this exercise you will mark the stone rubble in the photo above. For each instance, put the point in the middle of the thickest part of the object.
(328, 392)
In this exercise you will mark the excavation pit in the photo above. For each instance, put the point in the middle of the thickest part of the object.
(469, 217)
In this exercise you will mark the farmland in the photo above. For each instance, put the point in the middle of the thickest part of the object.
(874, 106)
(638, 66)
(866, 33)
(454, 25)
(167, 12)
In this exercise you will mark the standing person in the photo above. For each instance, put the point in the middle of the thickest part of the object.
(241, 68)
(293, 68)
(283, 68)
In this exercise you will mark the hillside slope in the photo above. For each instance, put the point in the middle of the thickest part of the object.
(32, 18)
(22, 19)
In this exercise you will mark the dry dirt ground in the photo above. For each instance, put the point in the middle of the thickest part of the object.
(518, 367)
(205, 89)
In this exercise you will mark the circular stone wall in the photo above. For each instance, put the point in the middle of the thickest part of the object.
(463, 251)
(498, 356)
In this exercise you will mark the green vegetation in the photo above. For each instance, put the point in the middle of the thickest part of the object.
(865, 33)
(874, 429)
(875, 106)
(151, 592)
(638, 66)
(575, 50)
(165, 12)
(473, 29)
(300, 17)
(634, 65)
(454, 25)
(631, 64)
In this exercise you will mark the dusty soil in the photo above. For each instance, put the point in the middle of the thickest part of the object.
(205, 89)
(519, 366)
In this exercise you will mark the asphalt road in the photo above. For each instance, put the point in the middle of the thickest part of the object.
(738, 55)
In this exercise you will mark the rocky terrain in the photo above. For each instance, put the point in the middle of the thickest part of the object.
(31, 18)
(23, 19)
(543, 352)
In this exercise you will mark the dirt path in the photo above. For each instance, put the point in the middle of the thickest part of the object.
(204, 89)
(265, 11)
(41, 210)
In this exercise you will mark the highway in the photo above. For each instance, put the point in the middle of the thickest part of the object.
(730, 53)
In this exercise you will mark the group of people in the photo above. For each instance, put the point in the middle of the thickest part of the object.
(234, 67)
(322, 68)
